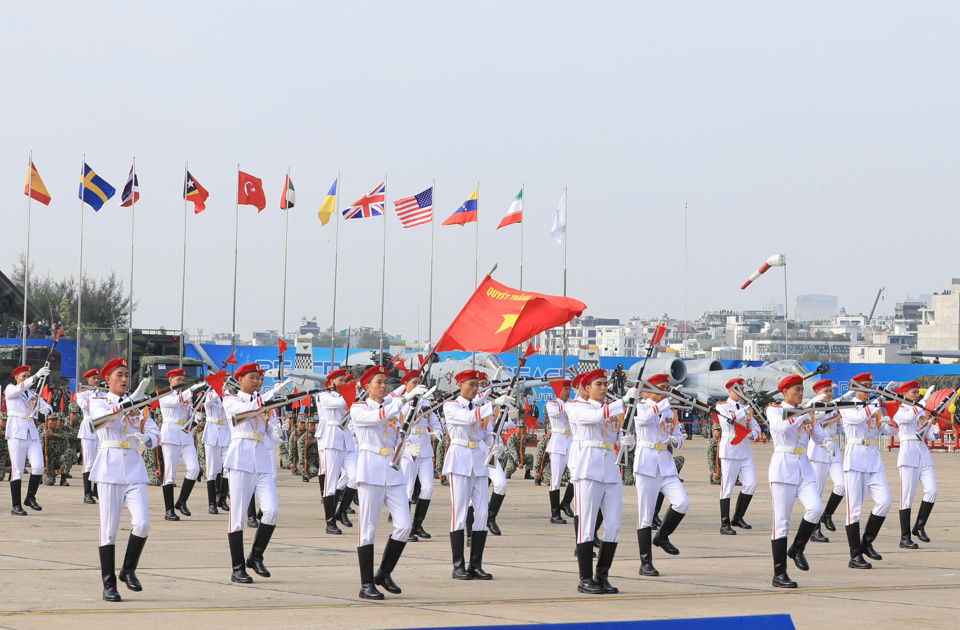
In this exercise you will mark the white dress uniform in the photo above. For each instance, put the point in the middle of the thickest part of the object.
(560, 438)
(417, 462)
(824, 464)
(497, 477)
(175, 440)
(377, 426)
(594, 472)
(334, 442)
(119, 470)
(914, 459)
(216, 434)
(791, 475)
(464, 462)
(88, 437)
(862, 466)
(736, 459)
(23, 440)
(250, 463)
(653, 464)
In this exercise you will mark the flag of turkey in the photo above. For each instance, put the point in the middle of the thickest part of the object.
(250, 191)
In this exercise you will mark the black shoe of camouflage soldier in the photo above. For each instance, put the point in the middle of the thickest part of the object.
(63, 481)
(537, 482)
(527, 474)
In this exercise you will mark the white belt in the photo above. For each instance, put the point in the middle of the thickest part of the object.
(247, 436)
(115, 444)
(14, 414)
(385, 452)
(657, 446)
(597, 444)
(417, 432)
(909, 438)
(566, 432)
(789, 449)
(333, 423)
(212, 421)
(180, 422)
(860, 442)
(463, 443)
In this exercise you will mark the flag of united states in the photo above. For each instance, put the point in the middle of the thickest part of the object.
(415, 210)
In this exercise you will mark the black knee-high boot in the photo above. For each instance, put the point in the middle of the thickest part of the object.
(419, 514)
(17, 510)
(212, 496)
(32, 486)
(743, 502)
(870, 532)
(131, 560)
(391, 555)
(459, 564)
(555, 517)
(468, 526)
(88, 490)
(725, 518)
(260, 542)
(922, 515)
(604, 562)
(496, 500)
(330, 514)
(239, 574)
(799, 545)
(567, 499)
(780, 577)
(169, 514)
(656, 512)
(185, 491)
(224, 493)
(252, 513)
(827, 517)
(670, 523)
(368, 589)
(596, 529)
(108, 568)
(345, 500)
(646, 552)
(905, 541)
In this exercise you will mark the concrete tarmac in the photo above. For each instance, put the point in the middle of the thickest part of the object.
(50, 577)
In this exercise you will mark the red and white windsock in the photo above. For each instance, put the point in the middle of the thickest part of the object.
(777, 260)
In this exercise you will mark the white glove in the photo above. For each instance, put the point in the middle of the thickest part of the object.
(198, 385)
(141, 392)
(281, 388)
(434, 434)
(886, 420)
(754, 436)
(44, 371)
(430, 393)
(505, 400)
(630, 396)
(815, 399)
(832, 447)
(627, 442)
(497, 450)
(674, 440)
(936, 428)
(419, 390)
(514, 413)
(663, 405)
(145, 439)
(415, 450)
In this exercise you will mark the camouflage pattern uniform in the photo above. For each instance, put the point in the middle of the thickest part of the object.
(628, 477)
(713, 461)
(201, 452)
(4, 453)
(295, 460)
(541, 453)
(71, 444)
(513, 456)
(285, 451)
(310, 454)
(150, 455)
(440, 450)
(52, 450)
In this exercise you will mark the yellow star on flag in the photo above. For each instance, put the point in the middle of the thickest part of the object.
(508, 322)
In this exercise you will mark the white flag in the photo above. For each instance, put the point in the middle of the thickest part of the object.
(560, 221)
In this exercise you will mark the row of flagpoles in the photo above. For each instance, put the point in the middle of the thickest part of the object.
(411, 211)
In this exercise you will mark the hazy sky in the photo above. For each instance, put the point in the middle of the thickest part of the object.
(826, 131)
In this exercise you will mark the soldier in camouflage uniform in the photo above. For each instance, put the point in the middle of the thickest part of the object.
(307, 451)
(53, 448)
(296, 463)
(713, 460)
(70, 432)
(515, 456)
(440, 450)
(628, 478)
(198, 441)
(4, 452)
(150, 454)
(542, 467)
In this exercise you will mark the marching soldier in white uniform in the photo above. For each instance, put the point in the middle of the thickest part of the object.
(464, 465)
(826, 464)
(656, 427)
(121, 475)
(417, 462)
(916, 425)
(559, 448)
(88, 437)
(335, 442)
(377, 422)
(216, 441)
(596, 477)
(792, 478)
(736, 460)
(497, 477)
(251, 468)
(23, 441)
(177, 444)
(863, 471)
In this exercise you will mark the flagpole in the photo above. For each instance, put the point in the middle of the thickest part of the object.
(476, 249)
(565, 235)
(183, 277)
(236, 242)
(83, 186)
(383, 271)
(523, 201)
(286, 236)
(133, 213)
(26, 267)
(433, 222)
(336, 256)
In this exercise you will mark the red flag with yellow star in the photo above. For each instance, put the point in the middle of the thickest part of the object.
(497, 318)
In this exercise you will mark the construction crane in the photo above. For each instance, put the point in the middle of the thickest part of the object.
(875, 302)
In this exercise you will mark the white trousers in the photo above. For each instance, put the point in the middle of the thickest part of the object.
(21, 451)
(909, 476)
(464, 490)
(418, 468)
(834, 470)
(647, 490)
(114, 496)
(498, 478)
(243, 485)
(590, 497)
(214, 459)
(730, 469)
(784, 495)
(858, 484)
(173, 454)
(558, 464)
(372, 499)
(88, 448)
(334, 464)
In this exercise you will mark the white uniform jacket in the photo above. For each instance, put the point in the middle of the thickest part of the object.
(251, 441)
(420, 433)
(331, 408)
(118, 460)
(731, 413)
(21, 402)
(86, 431)
(913, 452)
(378, 434)
(468, 427)
(560, 432)
(789, 463)
(596, 428)
(862, 427)
(216, 431)
(817, 453)
(176, 410)
(654, 428)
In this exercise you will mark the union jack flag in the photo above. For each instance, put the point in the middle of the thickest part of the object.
(370, 205)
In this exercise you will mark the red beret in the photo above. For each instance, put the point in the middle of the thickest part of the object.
(91, 372)
(176, 372)
(370, 373)
(822, 384)
(577, 381)
(466, 375)
(409, 375)
(482, 375)
(906, 387)
(591, 376)
(350, 377)
(866, 376)
(789, 382)
(111, 365)
(656, 379)
(247, 368)
(558, 385)
(333, 375)
(21, 369)
(734, 381)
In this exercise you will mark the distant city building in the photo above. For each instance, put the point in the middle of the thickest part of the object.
(939, 328)
(773, 349)
(810, 307)
(876, 353)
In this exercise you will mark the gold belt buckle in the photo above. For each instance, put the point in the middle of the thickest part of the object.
(798, 451)
(867, 442)
(124, 444)
(471, 445)
(568, 432)
(659, 446)
(384, 451)
(607, 446)
(258, 437)
(418, 432)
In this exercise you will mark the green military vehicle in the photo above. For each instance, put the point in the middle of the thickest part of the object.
(155, 368)
(10, 359)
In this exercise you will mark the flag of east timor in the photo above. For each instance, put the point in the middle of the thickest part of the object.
(193, 191)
